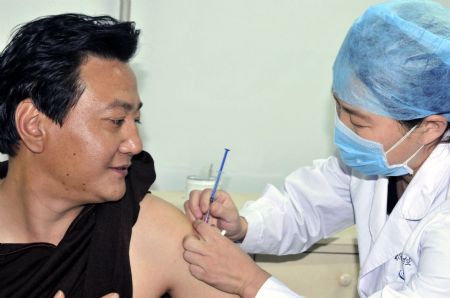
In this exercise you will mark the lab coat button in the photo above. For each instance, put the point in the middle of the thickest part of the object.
(345, 280)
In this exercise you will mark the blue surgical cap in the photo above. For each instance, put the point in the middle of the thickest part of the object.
(395, 61)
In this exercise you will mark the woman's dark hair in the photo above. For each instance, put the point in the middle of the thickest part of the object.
(43, 59)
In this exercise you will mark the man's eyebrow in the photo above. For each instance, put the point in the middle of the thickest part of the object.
(124, 105)
(350, 110)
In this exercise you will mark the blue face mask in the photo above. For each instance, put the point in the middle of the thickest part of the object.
(368, 157)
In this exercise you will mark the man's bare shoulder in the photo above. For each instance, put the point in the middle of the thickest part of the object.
(156, 211)
(156, 253)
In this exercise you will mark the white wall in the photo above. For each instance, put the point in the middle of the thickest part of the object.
(250, 75)
(15, 12)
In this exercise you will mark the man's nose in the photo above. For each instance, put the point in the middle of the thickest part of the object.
(133, 143)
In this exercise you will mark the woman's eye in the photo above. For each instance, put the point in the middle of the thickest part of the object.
(138, 121)
(356, 125)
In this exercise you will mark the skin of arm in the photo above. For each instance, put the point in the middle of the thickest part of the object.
(156, 254)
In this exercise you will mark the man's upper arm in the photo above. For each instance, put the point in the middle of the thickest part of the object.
(156, 253)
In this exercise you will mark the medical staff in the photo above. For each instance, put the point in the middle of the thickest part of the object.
(390, 176)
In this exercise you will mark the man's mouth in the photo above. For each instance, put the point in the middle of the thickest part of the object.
(122, 170)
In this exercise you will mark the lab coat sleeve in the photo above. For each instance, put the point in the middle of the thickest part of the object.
(314, 204)
(432, 278)
(275, 288)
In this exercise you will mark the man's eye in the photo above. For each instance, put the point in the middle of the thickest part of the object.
(117, 122)
(138, 121)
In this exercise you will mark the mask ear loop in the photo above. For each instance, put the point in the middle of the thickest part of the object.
(402, 139)
(405, 163)
(412, 156)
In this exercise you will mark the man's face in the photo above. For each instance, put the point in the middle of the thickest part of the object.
(87, 158)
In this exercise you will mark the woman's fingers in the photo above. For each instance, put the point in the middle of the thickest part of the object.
(111, 295)
(60, 294)
(217, 261)
(198, 203)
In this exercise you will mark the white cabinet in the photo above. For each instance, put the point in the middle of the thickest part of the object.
(329, 269)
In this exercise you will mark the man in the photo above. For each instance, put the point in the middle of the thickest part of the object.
(75, 215)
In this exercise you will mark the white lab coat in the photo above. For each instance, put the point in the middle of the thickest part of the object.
(405, 254)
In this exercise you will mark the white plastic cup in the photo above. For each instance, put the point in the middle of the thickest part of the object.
(198, 183)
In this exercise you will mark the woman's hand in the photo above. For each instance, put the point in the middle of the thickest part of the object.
(223, 212)
(60, 294)
(219, 262)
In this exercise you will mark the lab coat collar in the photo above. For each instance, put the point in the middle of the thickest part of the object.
(389, 243)
(389, 235)
(428, 185)
(378, 216)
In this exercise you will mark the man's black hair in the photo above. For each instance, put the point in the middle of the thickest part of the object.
(42, 62)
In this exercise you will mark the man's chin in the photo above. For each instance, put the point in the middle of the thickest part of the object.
(114, 195)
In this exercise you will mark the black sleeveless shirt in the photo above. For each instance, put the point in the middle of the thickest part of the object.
(92, 259)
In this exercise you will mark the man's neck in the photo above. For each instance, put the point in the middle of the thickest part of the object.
(29, 213)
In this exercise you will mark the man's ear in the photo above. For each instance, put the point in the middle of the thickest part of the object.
(433, 127)
(29, 126)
